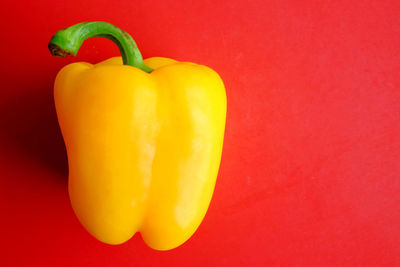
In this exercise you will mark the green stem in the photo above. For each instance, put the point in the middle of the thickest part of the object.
(67, 42)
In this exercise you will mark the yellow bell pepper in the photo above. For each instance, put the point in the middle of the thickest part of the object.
(144, 139)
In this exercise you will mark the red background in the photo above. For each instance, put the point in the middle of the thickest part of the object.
(310, 173)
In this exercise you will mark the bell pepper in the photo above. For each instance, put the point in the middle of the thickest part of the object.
(143, 138)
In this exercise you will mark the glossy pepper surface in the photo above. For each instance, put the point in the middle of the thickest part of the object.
(144, 139)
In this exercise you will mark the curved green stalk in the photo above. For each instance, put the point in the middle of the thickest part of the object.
(67, 41)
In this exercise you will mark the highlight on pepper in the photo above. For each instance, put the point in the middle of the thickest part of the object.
(143, 137)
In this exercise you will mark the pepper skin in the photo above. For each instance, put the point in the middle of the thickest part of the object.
(144, 140)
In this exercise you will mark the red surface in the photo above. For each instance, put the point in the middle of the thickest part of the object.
(310, 174)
